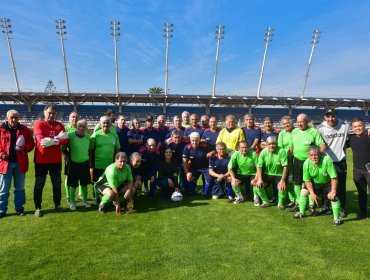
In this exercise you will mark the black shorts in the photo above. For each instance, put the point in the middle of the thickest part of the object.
(271, 179)
(298, 171)
(79, 174)
(244, 178)
(42, 169)
(97, 174)
(100, 186)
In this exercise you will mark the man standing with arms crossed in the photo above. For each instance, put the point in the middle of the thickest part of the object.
(50, 135)
(335, 134)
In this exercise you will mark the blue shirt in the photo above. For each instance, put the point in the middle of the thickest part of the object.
(219, 165)
(122, 136)
(135, 135)
(197, 157)
(163, 132)
(252, 134)
(181, 130)
(211, 137)
(154, 133)
(149, 162)
(177, 150)
(265, 135)
(198, 129)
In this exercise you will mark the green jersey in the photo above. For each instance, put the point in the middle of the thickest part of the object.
(243, 165)
(322, 173)
(285, 139)
(273, 164)
(78, 147)
(303, 139)
(70, 128)
(116, 177)
(104, 146)
(112, 128)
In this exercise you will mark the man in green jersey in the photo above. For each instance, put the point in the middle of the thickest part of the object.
(103, 147)
(284, 141)
(272, 169)
(242, 168)
(303, 137)
(79, 167)
(115, 181)
(111, 115)
(319, 175)
(70, 127)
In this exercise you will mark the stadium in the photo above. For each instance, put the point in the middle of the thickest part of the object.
(192, 237)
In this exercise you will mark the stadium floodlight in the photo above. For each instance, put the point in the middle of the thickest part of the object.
(61, 31)
(168, 29)
(269, 32)
(316, 34)
(220, 31)
(7, 30)
(115, 27)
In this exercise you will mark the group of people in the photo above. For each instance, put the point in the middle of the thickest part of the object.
(301, 164)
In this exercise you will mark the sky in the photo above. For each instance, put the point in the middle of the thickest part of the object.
(340, 65)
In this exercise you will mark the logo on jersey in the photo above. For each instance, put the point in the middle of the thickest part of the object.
(306, 142)
(278, 163)
(57, 126)
(335, 135)
(325, 174)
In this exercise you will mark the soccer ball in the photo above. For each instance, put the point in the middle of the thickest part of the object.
(176, 196)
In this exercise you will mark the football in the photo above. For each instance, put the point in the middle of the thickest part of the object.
(176, 196)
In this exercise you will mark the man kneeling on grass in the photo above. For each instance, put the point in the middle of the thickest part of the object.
(115, 181)
(273, 160)
(319, 176)
(242, 168)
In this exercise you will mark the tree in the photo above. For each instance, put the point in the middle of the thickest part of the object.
(156, 90)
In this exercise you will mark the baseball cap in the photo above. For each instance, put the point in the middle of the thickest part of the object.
(149, 119)
(330, 111)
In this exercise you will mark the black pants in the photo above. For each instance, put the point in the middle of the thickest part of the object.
(341, 168)
(41, 170)
(362, 182)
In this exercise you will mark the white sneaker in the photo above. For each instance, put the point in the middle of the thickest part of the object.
(73, 207)
(215, 197)
(238, 200)
(256, 201)
(86, 204)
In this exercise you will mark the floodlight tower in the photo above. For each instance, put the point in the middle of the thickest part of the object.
(7, 30)
(168, 29)
(61, 31)
(269, 32)
(315, 40)
(219, 36)
(115, 27)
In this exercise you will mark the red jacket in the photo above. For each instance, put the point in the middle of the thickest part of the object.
(22, 157)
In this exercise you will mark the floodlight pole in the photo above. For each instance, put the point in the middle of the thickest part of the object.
(167, 34)
(219, 36)
(268, 34)
(315, 40)
(7, 30)
(61, 32)
(115, 26)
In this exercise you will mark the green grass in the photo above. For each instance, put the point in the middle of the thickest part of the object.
(195, 239)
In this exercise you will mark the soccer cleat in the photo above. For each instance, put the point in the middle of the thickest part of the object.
(361, 216)
(68, 201)
(281, 207)
(238, 200)
(337, 222)
(59, 209)
(256, 201)
(73, 207)
(298, 215)
(264, 204)
(291, 204)
(21, 213)
(215, 197)
(312, 211)
(132, 211)
(2, 215)
(294, 209)
(102, 209)
(230, 200)
(343, 213)
(79, 198)
(38, 213)
(325, 211)
(86, 204)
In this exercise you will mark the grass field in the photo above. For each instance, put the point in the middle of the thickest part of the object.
(194, 239)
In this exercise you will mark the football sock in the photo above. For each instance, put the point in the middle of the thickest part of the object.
(303, 203)
(83, 193)
(67, 188)
(237, 191)
(311, 202)
(72, 195)
(80, 191)
(297, 190)
(281, 197)
(262, 194)
(291, 194)
(229, 190)
(335, 206)
(207, 189)
(105, 200)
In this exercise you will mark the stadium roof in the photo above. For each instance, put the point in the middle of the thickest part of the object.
(31, 98)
